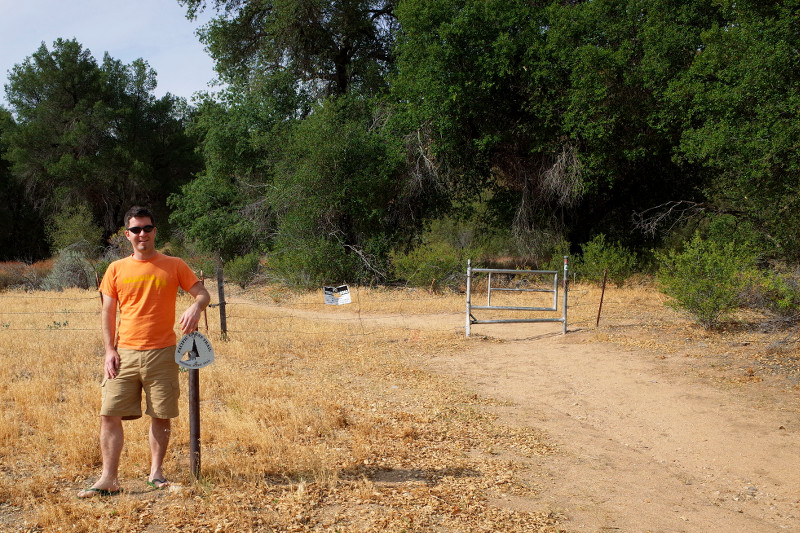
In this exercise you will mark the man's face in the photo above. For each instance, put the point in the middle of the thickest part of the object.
(143, 242)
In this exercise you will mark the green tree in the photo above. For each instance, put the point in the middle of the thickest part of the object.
(614, 60)
(739, 102)
(477, 97)
(241, 137)
(21, 229)
(299, 157)
(575, 115)
(336, 188)
(553, 121)
(94, 135)
(327, 46)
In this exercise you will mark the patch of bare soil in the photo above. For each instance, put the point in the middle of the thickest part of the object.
(661, 428)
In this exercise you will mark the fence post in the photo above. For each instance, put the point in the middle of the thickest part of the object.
(223, 320)
(194, 423)
(205, 314)
(469, 286)
(602, 295)
(566, 260)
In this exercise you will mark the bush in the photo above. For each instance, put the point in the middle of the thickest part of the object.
(70, 269)
(556, 261)
(36, 273)
(313, 262)
(434, 265)
(74, 225)
(118, 247)
(12, 274)
(207, 265)
(705, 279)
(243, 270)
(774, 291)
(598, 256)
(783, 294)
(27, 276)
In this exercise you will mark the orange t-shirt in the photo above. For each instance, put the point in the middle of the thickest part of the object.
(146, 292)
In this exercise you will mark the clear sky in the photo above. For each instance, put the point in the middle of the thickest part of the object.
(155, 30)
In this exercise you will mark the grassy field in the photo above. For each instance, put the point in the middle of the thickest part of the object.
(314, 417)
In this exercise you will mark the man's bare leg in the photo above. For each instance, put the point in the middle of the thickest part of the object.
(112, 438)
(159, 440)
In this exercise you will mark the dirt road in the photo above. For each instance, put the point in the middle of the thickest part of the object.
(646, 442)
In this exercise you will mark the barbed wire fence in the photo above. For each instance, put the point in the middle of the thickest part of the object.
(233, 317)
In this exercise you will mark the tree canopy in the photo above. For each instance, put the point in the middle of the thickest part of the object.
(359, 122)
(347, 127)
(94, 136)
(326, 46)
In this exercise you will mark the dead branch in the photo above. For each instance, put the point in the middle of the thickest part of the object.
(665, 217)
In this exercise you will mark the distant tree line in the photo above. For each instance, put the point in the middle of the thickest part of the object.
(353, 132)
(81, 142)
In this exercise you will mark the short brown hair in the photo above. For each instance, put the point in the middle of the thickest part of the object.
(138, 212)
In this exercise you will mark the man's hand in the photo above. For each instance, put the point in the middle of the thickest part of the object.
(191, 317)
(111, 365)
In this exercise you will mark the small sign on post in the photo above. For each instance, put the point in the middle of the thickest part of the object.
(193, 352)
(337, 295)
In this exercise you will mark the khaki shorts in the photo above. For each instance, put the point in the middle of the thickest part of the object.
(155, 372)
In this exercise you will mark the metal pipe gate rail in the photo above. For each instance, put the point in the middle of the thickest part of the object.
(472, 320)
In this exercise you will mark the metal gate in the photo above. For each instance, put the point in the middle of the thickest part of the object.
(470, 319)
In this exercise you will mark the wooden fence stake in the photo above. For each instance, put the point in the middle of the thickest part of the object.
(602, 294)
(223, 320)
(194, 423)
(205, 315)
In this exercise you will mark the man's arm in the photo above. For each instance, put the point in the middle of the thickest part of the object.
(191, 317)
(109, 326)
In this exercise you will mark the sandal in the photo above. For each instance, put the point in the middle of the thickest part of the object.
(158, 484)
(92, 492)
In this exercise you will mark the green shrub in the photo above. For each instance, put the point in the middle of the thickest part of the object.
(100, 267)
(203, 264)
(74, 225)
(436, 264)
(556, 261)
(774, 291)
(313, 262)
(705, 278)
(598, 257)
(70, 269)
(783, 294)
(243, 270)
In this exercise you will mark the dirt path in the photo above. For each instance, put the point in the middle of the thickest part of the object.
(645, 443)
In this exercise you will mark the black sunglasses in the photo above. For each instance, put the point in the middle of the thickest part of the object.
(136, 229)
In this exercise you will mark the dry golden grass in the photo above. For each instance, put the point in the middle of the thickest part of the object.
(307, 424)
(314, 418)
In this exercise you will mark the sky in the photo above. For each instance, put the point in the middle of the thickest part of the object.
(154, 30)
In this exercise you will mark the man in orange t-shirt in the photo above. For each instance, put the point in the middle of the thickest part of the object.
(145, 285)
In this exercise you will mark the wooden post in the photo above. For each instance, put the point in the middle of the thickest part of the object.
(194, 423)
(205, 315)
(565, 283)
(602, 294)
(469, 303)
(194, 411)
(223, 321)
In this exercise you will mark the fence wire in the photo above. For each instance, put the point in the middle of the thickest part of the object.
(244, 310)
